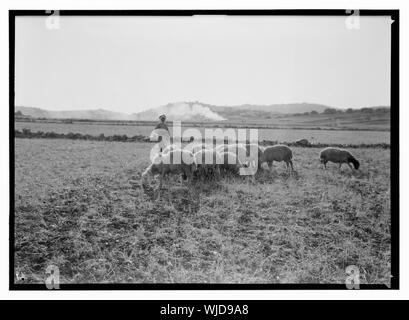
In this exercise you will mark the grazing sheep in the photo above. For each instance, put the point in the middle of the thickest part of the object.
(249, 154)
(278, 153)
(337, 155)
(165, 164)
(208, 163)
(231, 162)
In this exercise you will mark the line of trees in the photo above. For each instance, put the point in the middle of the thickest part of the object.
(361, 110)
(349, 110)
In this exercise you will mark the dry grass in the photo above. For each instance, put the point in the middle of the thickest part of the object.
(77, 208)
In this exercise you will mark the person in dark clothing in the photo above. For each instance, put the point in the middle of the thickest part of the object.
(162, 124)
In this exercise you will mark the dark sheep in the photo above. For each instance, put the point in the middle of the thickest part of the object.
(338, 155)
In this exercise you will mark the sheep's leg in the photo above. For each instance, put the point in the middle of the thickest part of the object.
(186, 174)
(163, 176)
(340, 164)
(291, 163)
(260, 164)
(202, 174)
(161, 180)
(325, 165)
(218, 171)
(146, 178)
(270, 166)
(160, 186)
(287, 163)
(251, 179)
(252, 164)
(169, 194)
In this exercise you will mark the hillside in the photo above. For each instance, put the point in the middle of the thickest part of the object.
(289, 108)
(182, 111)
(97, 114)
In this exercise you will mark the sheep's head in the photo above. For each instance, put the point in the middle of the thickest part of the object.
(355, 163)
(261, 156)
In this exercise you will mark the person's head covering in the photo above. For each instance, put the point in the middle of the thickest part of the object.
(162, 117)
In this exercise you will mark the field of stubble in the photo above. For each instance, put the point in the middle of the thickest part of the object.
(77, 208)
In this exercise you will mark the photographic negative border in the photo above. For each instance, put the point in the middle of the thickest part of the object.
(394, 142)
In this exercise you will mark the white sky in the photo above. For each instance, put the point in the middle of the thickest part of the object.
(129, 64)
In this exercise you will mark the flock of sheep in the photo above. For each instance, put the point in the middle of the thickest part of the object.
(204, 161)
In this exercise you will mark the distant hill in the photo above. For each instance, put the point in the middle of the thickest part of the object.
(182, 111)
(285, 108)
(20, 115)
(97, 114)
(198, 111)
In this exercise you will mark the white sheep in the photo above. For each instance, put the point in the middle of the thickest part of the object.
(173, 162)
(278, 153)
(338, 155)
(250, 155)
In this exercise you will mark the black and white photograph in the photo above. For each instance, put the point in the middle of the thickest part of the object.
(204, 149)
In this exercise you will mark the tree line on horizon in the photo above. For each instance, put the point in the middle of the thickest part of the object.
(346, 111)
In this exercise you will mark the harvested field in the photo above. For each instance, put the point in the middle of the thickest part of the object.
(77, 207)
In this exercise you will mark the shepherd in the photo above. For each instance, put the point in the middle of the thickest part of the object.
(160, 134)
(162, 124)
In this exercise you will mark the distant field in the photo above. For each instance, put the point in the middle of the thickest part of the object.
(377, 120)
(76, 208)
(281, 135)
(369, 119)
